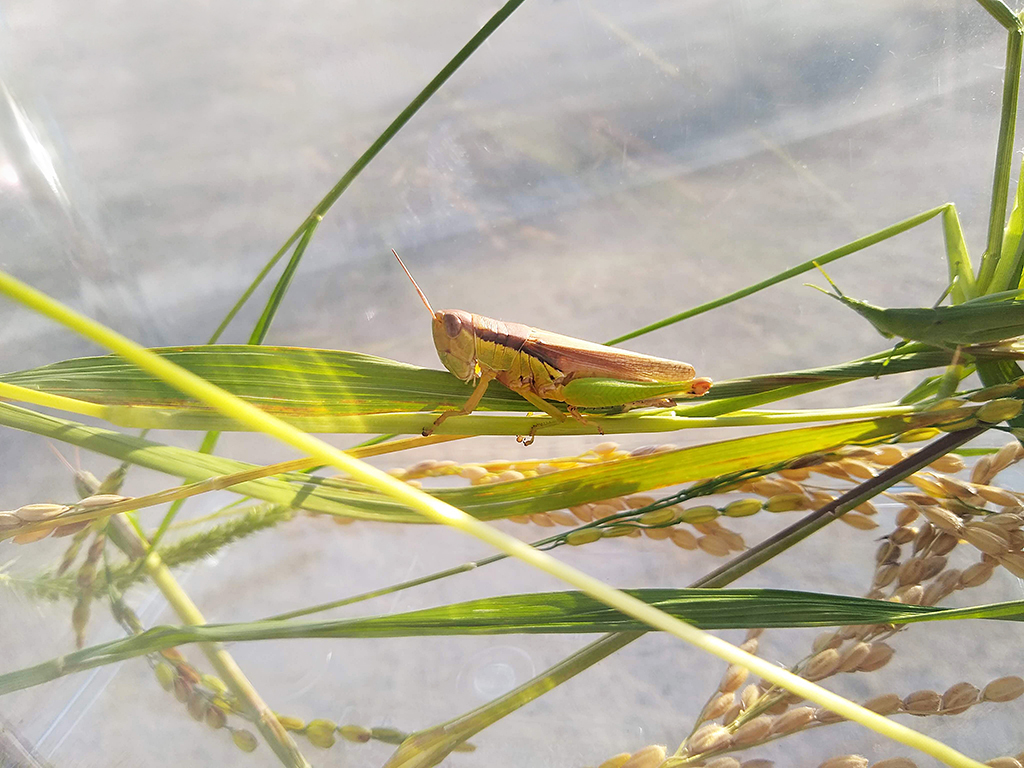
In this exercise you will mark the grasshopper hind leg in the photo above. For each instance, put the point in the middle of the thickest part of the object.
(542, 405)
(560, 417)
(654, 402)
(575, 413)
(530, 436)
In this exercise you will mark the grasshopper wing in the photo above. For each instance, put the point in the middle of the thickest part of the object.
(583, 359)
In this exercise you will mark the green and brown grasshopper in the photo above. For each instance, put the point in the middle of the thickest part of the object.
(986, 319)
(540, 366)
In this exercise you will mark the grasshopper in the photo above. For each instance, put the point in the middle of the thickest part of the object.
(983, 320)
(540, 366)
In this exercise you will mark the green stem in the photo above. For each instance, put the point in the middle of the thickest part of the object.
(1004, 145)
(436, 576)
(207, 446)
(266, 721)
(262, 327)
(431, 746)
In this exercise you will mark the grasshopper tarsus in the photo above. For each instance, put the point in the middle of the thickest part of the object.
(888, 358)
(529, 437)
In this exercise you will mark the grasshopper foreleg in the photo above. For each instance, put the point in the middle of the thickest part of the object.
(467, 408)
(892, 352)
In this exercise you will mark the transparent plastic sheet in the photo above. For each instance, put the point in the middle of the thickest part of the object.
(595, 167)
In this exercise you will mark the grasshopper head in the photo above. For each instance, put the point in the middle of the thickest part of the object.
(454, 336)
(456, 342)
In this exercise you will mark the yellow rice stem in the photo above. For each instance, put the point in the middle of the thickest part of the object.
(59, 402)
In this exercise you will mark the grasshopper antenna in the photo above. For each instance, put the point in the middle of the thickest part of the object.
(414, 285)
(838, 293)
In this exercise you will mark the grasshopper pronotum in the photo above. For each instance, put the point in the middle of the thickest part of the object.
(540, 365)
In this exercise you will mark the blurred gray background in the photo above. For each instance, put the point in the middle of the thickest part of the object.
(594, 167)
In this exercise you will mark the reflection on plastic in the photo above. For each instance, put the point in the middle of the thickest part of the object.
(51, 231)
(495, 671)
(37, 155)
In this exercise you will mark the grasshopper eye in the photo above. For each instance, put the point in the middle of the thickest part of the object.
(452, 325)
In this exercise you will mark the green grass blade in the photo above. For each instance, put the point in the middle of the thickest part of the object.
(284, 380)
(337, 391)
(537, 613)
